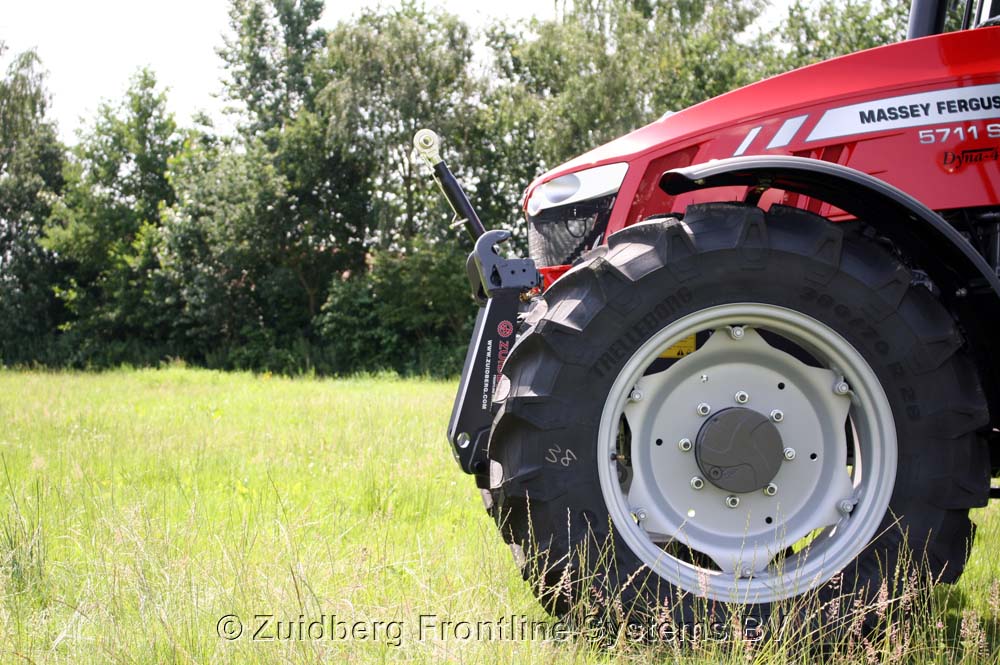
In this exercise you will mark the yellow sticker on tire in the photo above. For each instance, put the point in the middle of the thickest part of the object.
(680, 349)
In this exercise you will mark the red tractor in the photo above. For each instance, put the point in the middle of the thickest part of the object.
(753, 354)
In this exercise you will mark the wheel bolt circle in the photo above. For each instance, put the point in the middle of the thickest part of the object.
(704, 409)
(684, 445)
(732, 501)
(742, 397)
(697, 483)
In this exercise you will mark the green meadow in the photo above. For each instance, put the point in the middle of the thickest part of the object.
(189, 516)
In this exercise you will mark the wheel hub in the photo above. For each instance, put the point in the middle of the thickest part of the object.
(668, 506)
(739, 450)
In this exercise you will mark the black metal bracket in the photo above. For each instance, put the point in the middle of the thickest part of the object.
(472, 414)
(497, 285)
(494, 272)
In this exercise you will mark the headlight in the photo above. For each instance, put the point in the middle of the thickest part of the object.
(580, 186)
(569, 214)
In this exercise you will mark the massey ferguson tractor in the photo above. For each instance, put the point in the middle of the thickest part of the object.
(754, 353)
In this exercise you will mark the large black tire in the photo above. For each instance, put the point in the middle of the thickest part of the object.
(557, 379)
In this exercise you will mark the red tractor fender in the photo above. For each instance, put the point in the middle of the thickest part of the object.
(923, 235)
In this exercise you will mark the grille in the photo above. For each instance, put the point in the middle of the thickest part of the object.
(558, 236)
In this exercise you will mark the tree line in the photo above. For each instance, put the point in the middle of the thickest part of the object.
(308, 239)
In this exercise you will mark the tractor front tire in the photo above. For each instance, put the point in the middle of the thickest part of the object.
(823, 433)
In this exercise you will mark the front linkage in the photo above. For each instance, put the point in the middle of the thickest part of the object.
(497, 285)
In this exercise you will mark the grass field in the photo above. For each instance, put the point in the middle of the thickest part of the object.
(141, 511)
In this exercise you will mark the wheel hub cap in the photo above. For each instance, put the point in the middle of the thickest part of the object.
(739, 450)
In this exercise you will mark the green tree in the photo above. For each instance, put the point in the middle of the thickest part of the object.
(390, 73)
(265, 220)
(410, 312)
(815, 32)
(105, 224)
(268, 57)
(214, 240)
(251, 246)
(31, 162)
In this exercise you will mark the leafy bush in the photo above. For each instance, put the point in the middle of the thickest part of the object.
(410, 312)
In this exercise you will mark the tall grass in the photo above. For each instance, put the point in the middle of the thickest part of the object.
(140, 508)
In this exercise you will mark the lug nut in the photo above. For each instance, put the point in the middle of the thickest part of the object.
(771, 489)
(789, 454)
(747, 572)
(777, 416)
(684, 445)
(635, 395)
(846, 507)
(640, 514)
(742, 397)
(736, 332)
(704, 409)
(842, 388)
(732, 501)
(697, 483)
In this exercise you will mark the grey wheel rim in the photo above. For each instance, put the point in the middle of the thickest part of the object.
(670, 503)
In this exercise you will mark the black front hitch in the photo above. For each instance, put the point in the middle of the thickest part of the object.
(498, 285)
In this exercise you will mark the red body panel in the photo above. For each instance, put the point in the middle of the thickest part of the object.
(935, 143)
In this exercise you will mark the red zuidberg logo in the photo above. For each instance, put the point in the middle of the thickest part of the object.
(506, 329)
